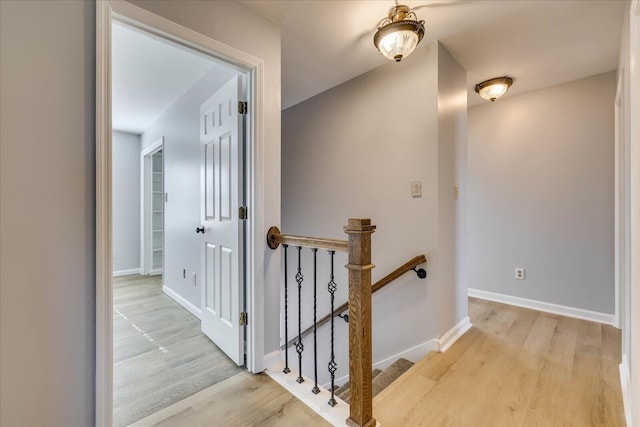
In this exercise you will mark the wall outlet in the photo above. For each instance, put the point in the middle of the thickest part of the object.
(195, 279)
(519, 273)
(416, 188)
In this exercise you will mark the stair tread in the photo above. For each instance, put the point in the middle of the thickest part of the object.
(343, 391)
(391, 374)
(383, 379)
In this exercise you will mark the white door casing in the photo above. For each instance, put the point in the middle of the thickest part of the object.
(221, 138)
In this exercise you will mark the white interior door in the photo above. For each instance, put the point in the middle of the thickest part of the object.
(222, 195)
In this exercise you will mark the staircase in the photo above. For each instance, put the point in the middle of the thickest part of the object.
(356, 408)
(381, 379)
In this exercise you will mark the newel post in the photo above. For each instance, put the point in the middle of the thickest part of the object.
(360, 362)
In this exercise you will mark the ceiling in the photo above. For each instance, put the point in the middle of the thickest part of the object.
(148, 76)
(539, 43)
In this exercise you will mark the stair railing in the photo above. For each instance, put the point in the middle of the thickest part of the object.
(410, 265)
(358, 247)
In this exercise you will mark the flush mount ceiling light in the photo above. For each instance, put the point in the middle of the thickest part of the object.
(494, 88)
(399, 33)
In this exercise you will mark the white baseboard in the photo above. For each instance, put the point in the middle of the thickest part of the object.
(156, 272)
(625, 383)
(182, 301)
(126, 272)
(453, 334)
(547, 307)
(414, 354)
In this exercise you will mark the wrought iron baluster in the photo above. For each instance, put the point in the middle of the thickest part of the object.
(286, 369)
(333, 367)
(299, 346)
(315, 389)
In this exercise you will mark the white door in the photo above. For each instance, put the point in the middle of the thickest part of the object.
(222, 243)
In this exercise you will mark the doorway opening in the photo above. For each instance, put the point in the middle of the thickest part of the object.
(152, 208)
(184, 289)
(177, 323)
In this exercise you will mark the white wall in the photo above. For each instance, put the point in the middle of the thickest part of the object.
(541, 194)
(180, 126)
(260, 38)
(353, 151)
(126, 202)
(47, 216)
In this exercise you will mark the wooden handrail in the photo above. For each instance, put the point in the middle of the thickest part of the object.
(404, 268)
(275, 238)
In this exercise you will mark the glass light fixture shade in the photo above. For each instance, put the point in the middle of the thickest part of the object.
(398, 44)
(399, 34)
(494, 88)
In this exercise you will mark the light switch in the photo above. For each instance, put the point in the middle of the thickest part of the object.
(416, 188)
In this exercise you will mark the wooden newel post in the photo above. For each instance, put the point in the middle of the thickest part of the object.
(360, 362)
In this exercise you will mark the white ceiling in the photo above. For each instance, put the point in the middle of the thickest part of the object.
(538, 43)
(148, 76)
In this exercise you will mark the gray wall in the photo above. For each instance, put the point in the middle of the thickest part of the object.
(353, 151)
(541, 194)
(126, 201)
(452, 141)
(180, 126)
(47, 219)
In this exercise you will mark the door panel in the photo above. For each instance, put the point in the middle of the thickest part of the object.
(221, 196)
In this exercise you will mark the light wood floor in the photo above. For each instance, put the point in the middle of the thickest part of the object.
(242, 400)
(160, 354)
(515, 367)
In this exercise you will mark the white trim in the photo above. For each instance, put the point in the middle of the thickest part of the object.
(453, 334)
(104, 262)
(414, 354)
(182, 301)
(547, 307)
(153, 148)
(625, 384)
(619, 200)
(336, 415)
(633, 294)
(106, 11)
(126, 272)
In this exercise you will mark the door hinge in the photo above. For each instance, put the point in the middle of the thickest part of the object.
(243, 212)
(242, 107)
(243, 318)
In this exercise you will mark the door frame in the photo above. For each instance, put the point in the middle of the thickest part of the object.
(146, 239)
(108, 11)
